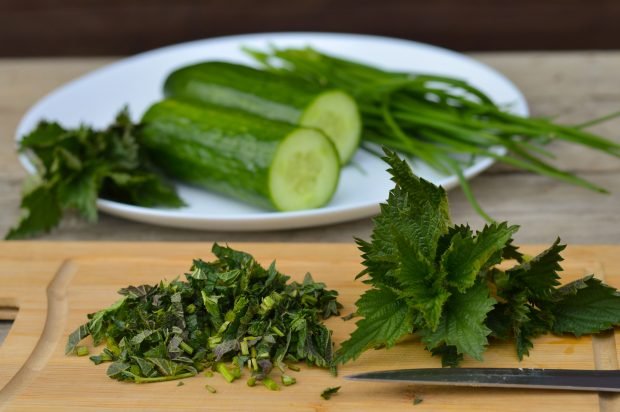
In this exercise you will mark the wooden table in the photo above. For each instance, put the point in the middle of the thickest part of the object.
(573, 86)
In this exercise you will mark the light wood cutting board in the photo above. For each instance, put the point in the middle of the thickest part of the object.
(52, 286)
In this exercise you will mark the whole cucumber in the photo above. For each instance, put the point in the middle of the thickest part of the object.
(272, 96)
(270, 164)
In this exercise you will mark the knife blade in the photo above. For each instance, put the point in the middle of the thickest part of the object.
(564, 379)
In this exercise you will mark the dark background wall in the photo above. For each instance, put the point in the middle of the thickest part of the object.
(117, 27)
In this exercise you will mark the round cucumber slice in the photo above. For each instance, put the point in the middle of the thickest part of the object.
(304, 172)
(335, 113)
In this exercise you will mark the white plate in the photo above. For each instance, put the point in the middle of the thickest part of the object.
(95, 98)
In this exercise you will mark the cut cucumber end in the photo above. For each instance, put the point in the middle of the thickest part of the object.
(304, 172)
(336, 114)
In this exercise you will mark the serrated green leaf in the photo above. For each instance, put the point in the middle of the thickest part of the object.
(386, 320)
(40, 212)
(540, 274)
(467, 254)
(427, 205)
(421, 283)
(463, 322)
(585, 306)
(76, 166)
(75, 337)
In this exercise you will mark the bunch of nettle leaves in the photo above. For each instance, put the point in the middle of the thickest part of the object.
(230, 314)
(442, 282)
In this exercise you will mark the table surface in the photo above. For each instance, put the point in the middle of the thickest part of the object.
(574, 86)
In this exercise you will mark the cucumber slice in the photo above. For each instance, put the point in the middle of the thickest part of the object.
(270, 164)
(335, 113)
(302, 171)
(272, 96)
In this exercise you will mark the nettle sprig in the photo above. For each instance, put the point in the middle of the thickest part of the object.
(442, 282)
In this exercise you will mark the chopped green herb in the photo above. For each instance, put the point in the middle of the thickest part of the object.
(228, 315)
(251, 381)
(327, 393)
(293, 367)
(349, 316)
(288, 380)
(81, 350)
(417, 400)
(208, 373)
(210, 388)
(442, 282)
(181, 383)
(223, 370)
(76, 166)
(271, 384)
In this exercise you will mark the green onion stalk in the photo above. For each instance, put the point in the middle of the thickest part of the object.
(442, 121)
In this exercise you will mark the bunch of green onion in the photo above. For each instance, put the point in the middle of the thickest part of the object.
(442, 121)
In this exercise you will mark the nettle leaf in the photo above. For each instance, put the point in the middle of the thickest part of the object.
(76, 166)
(386, 319)
(422, 283)
(467, 255)
(463, 322)
(540, 274)
(75, 337)
(427, 205)
(585, 306)
(40, 212)
(117, 369)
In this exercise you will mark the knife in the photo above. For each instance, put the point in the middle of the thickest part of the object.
(566, 379)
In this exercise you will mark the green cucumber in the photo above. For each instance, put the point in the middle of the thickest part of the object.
(272, 96)
(270, 164)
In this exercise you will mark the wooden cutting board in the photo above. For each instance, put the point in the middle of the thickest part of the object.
(54, 285)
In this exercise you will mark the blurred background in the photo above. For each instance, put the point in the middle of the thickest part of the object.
(120, 27)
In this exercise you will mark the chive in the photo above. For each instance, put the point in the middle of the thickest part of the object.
(277, 331)
(210, 388)
(209, 373)
(223, 370)
(271, 384)
(139, 379)
(244, 348)
(251, 381)
(186, 348)
(293, 367)
(288, 380)
(81, 351)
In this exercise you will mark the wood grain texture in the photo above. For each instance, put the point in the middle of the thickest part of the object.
(92, 272)
(574, 86)
(104, 27)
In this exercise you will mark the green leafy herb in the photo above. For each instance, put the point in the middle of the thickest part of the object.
(227, 316)
(76, 166)
(440, 120)
(442, 282)
(327, 393)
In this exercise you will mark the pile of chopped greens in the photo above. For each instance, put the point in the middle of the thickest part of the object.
(228, 316)
(442, 282)
(440, 120)
(76, 166)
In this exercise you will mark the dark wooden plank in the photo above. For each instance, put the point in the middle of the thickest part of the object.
(117, 27)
